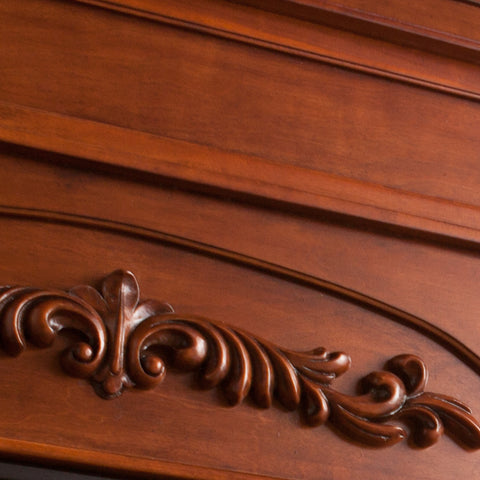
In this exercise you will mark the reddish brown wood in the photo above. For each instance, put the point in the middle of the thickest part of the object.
(170, 262)
(255, 162)
(321, 44)
(428, 25)
(244, 176)
(143, 335)
(309, 87)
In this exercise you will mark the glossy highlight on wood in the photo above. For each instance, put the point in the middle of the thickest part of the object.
(302, 170)
(129, 343)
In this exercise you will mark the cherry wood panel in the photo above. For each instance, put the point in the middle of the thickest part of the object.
(444, 26)
(287, 176)
(180, 424)
(147, 76)
(244, 176)
(254, 26)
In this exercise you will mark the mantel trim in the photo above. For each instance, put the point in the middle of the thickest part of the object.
(243, 176)
(129, 343)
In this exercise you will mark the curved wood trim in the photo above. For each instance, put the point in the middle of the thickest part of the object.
(436, 334)
(244, 176)
(402, 67)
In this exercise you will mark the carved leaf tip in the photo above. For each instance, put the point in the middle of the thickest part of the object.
(40, 315)
(365, 431)
(431, 414)
(121, 291)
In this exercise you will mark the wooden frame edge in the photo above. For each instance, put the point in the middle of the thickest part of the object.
(241, 175)
(242, 29)
(114, 464)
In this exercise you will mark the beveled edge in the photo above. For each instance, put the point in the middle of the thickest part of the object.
(243, 176)
(90, 461)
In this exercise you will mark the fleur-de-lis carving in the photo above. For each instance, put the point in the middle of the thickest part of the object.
(121, 310)
(129, 343)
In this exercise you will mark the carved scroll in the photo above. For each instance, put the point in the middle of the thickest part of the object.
(128, 343)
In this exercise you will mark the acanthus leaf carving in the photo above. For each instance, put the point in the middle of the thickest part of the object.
(129, 343)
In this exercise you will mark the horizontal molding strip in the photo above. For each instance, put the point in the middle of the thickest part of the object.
(425, 328)
(240, 175)
(90, 460)
(315, 42)
(419, 26)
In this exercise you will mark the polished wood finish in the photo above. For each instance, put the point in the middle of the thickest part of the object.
(141, 337)
(306, 171)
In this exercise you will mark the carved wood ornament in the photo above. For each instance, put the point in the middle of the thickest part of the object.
(128, 343)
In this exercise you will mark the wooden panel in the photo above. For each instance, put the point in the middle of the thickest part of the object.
(403, 270)
(138, 74)
(175, 423)
(444, 26)
(286, 175)
(244, 176)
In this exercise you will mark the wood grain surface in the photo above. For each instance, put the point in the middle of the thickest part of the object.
(306, 172)
(70, 251)
(287, 109)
